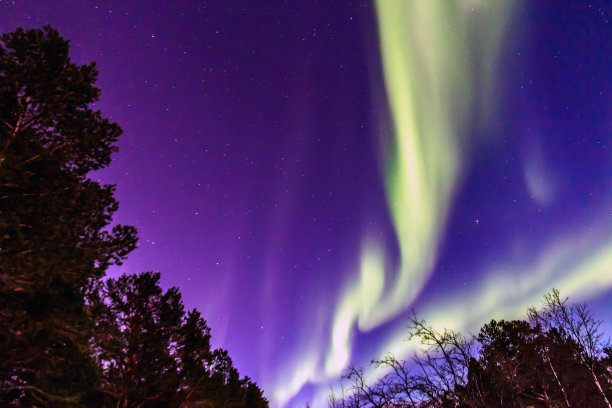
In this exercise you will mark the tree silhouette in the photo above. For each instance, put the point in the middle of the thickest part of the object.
(512, 361)
(576, 324)
(67, 337)
(555, 358)
(154, 354)
(55, 237)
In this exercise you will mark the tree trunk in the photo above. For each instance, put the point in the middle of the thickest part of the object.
(558, 382)
(598, 385)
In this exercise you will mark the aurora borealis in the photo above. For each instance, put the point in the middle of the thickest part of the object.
(307, 173)
(430, 92)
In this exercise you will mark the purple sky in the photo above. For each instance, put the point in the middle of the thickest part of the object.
(251, 161)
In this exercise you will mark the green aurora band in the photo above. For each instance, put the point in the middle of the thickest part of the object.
(431, 52)
(438, 59)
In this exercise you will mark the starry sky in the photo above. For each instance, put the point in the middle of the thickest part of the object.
(308, 172)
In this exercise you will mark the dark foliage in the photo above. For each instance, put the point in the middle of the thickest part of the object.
(154, 354)
(556, 358)
(54, 237)
(67, 338)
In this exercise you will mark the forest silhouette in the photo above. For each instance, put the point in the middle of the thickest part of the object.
(557, 357)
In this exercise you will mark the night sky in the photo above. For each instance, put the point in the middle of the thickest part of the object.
(308, 172)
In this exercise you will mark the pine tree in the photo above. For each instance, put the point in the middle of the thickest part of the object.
(154, 354)
(55, 234)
